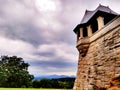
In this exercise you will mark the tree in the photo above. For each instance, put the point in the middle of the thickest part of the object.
(14, 72)
(36, 84)
(45, 83)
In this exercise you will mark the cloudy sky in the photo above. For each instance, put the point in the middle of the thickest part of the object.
(41, 32)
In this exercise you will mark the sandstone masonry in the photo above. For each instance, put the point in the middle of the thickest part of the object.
(99, 54)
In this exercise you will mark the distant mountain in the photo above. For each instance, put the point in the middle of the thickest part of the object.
(52, 77)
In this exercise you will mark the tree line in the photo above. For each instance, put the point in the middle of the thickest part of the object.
(66, 83)
(14, 73)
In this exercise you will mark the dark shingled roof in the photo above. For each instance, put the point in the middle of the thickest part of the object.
(89, 14)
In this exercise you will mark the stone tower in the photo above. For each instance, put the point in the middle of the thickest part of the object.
(98, 43)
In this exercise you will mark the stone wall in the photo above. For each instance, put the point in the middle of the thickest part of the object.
(102, 61)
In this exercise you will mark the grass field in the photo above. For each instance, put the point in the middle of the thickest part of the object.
(30, 89)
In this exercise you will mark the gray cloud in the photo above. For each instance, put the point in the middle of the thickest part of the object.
(58, 64)
(45, 39)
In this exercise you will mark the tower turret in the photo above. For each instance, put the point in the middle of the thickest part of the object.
(95, 38)
(91, 23)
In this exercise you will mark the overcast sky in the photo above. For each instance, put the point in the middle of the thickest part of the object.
(41, 32)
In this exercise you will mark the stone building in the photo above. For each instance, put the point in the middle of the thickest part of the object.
(98, 43)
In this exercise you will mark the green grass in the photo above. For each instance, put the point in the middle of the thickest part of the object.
(30, 89)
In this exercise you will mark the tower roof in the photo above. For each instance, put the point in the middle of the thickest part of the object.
(89, 14)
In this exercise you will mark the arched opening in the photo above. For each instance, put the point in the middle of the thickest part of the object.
(85, 32)
(94, 26)
(78, 33)
(108, 18)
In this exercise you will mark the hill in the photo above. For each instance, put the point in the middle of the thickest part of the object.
(52, 77)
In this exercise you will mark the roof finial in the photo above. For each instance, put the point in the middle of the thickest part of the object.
(99, 4)
(86, 11)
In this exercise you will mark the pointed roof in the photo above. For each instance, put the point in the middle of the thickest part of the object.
(89, 14)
